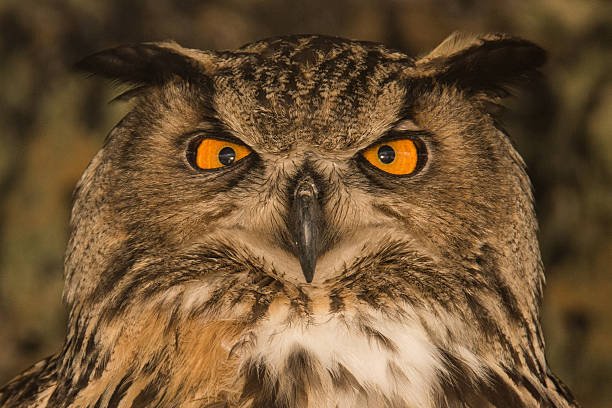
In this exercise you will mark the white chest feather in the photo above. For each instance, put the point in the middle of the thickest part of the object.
(385, 360)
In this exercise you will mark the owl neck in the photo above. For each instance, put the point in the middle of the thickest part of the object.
(156, 354)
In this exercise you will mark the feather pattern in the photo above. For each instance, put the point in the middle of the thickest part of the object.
(185, 287)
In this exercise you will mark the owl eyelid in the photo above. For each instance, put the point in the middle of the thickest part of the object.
(201, 134)
(414, 135)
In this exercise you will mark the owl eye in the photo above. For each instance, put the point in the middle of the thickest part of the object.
(400, 157)
(211, 154)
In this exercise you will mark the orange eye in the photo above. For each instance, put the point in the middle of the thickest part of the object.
(399, 157)
(215, 153)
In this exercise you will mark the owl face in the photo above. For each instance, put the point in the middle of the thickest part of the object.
(306, 153)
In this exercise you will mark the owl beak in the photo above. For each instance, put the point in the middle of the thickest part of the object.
(306, 228)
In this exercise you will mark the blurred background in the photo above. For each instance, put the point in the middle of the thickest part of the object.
(52, 121)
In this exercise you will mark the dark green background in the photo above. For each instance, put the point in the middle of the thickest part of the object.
(52, 121)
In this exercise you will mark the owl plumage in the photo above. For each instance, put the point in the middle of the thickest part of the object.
(301, 275)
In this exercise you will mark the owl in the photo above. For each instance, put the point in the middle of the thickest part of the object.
(306, 221)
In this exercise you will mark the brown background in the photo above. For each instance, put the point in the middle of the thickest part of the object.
(52, 121)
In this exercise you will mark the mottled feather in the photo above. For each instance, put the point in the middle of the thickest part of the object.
(185, 287)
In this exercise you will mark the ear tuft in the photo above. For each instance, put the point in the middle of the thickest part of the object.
(142, 64)
(483, 64)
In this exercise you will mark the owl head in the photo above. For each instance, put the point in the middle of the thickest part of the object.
(303, 154)
(313, 170)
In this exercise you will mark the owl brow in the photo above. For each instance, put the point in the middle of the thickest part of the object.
(407, 124)
(405, 127)
(210, 126)
(376, 136)
(213, 133)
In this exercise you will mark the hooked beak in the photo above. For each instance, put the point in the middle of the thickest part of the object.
(306, 228)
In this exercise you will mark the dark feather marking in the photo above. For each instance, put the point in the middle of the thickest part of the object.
(538, 331)
(492, 65)
(457, 384)
(79, 337)
(98, 403)
(531, 363)
(462, 388)
(259, 309)
(391, 266)
(304, 378)
(215, 300)
(343, 380)
(101, 365)
(521, 380)
(262, 281)
(146, 282)
(383, 341)
(373, 60)
(91, 344)
(120, 264)
(67, 388)
(336, 300)
(301, 305)
(369, 296)
(152, 392)
(562, 389)
(533, 356)
(259, 387)
(499, 392)
(87, 373)
(175, 316)
(489, 326)
(490, 270)
(61, 395)
(120, 390)
(24, 389)
(459, 388)
(508, 299)
(329, 69)
(142, 64)
(263, 290)
(154, 362)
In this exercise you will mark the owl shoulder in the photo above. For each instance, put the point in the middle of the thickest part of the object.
(32, 388)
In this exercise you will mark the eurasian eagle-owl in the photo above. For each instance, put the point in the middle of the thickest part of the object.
(306, 221)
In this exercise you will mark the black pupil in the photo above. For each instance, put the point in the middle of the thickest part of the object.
(386, 154)
(227, 155)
